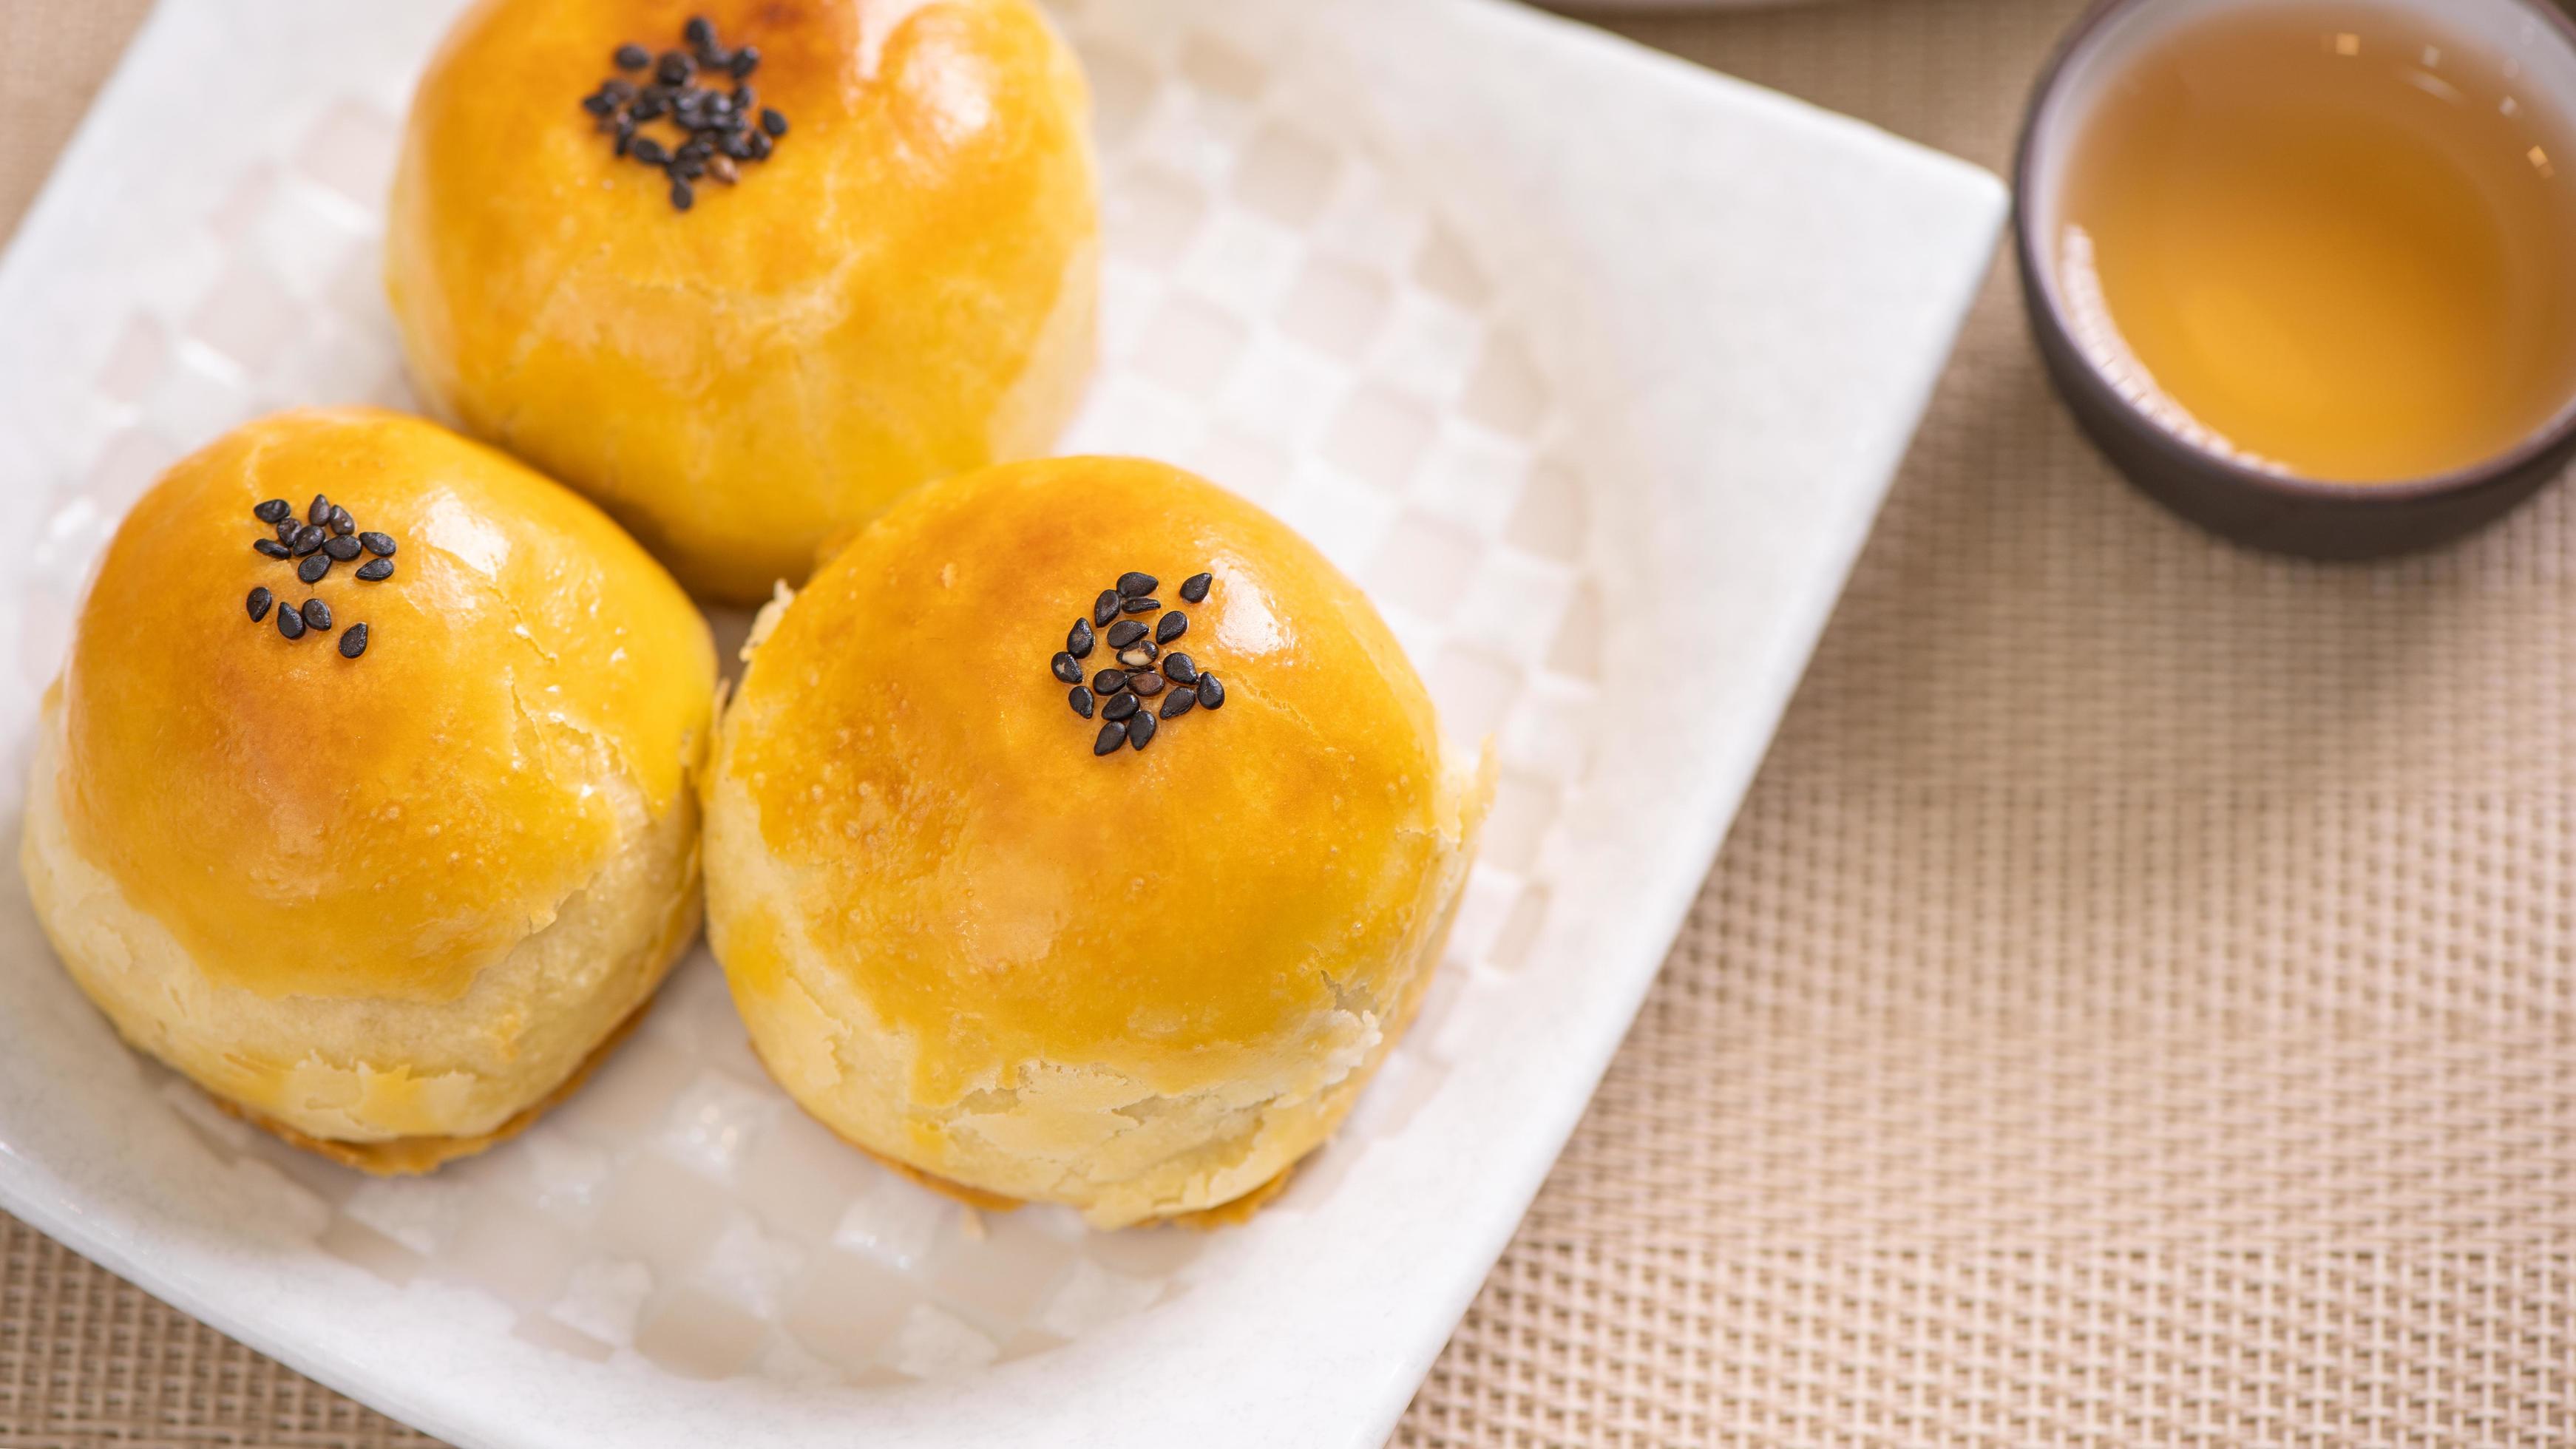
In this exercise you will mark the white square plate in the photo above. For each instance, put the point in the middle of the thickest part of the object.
(1591, 366)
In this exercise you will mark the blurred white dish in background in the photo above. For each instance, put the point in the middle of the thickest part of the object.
(1613, 7)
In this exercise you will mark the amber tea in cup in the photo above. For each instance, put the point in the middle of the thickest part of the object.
(2325, 238)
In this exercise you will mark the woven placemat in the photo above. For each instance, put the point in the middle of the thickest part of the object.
(2134, 1006)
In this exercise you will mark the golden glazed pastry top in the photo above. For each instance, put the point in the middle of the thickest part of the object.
(1002, 898)
(383, 826)
(903, 290)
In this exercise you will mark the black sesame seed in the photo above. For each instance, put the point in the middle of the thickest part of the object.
(379, 544)
(685, 169)
(1080, 699)
(1195, 587)
(375, 569)
(1104, 608)
(649, 105)
(772, 122)
(1140, 606)
(1136, 585)
(1112, 735)
(760, 146)
(1140, 731)
(1171, 626)
(274, 510)
(259, 601)
(1124, 633)
(598, 103)
(1180, 669)
(620, 91)
(675, 68)
(1077, 640)
(745, 61)
(1180, 703)
(290, 623)
(632, 57)
(698, 31)
(273, 548)
(1067, 668)
(650, 152)
(1138, 657)
(737, 148)
(1119, 706)
(313, 568)
(682, 198)
(341, 523)
(317, 615)
(343, 549)
(1145, 685)
(307, 539)
(320, 512)
(1109, 681)
(1211, 693)
(354, 642)
(287, 528)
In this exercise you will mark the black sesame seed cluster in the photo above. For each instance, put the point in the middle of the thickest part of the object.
(712, 132)
(324, 536)
(1124, 620)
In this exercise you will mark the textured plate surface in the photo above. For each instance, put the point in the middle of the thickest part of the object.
(1592, 368)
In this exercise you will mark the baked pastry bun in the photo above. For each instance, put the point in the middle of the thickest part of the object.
(977, 930)
(902, 289)
(385, 892)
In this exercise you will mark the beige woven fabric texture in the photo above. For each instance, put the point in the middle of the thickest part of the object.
(2134, 1006)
